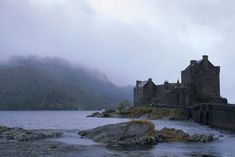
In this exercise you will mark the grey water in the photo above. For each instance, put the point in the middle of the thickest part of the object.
(72, 121)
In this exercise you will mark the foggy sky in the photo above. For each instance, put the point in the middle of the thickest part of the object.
(125, 39)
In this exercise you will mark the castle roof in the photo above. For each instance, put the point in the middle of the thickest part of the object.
(198, 63)
(142, 83)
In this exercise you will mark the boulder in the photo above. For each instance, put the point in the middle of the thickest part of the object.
(172, 135)
(127, 133)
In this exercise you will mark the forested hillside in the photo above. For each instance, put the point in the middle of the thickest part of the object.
(35, 83)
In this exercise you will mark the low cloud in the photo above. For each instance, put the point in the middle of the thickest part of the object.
(126, 39)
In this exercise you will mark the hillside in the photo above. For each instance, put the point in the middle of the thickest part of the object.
(35, 83)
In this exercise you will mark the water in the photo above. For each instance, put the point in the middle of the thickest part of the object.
(72, 121)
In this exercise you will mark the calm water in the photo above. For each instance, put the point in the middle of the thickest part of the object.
(72, 121)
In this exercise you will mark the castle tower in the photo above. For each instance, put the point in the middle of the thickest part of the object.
(202, 79)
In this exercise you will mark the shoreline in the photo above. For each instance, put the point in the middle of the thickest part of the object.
(46, 148)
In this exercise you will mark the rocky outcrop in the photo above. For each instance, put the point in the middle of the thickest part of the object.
(19, 134)
(109, 113)
(144, 112)
(172, 135)
(140, 132)
(133, 132)
(177, 135)
(201, 138)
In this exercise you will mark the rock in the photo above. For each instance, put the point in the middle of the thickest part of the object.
(172, 135)
(82, 133)
(54, 134)
(126, 133)
(29, 136)
(3, 129)
(109, 111)
(140, 132)
(95, 114)
(201, 138)
(107, 114)
(51, 133)
(19, 134)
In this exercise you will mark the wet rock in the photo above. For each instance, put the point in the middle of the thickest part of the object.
(19, 134)
(95, 114)
(172, 135)
(50, 133)
(106, 114)
(127, 133)
(201, 138)
(3, 129)
(110, 111)
(140, 132)
(177, 135)
(29, 136)
(54, 134)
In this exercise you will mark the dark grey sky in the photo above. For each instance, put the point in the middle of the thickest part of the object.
(125, 39)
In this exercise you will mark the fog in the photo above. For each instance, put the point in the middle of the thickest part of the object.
(125, 39)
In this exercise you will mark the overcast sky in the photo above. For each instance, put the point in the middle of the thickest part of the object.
(125, 39)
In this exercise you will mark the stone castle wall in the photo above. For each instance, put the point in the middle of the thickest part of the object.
(216, 115)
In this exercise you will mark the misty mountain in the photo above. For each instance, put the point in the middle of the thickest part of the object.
(35, 83)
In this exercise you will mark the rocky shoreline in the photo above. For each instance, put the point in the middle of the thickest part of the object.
(144, 112)
(139, 133)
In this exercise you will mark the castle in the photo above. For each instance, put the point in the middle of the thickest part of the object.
(200, 83)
